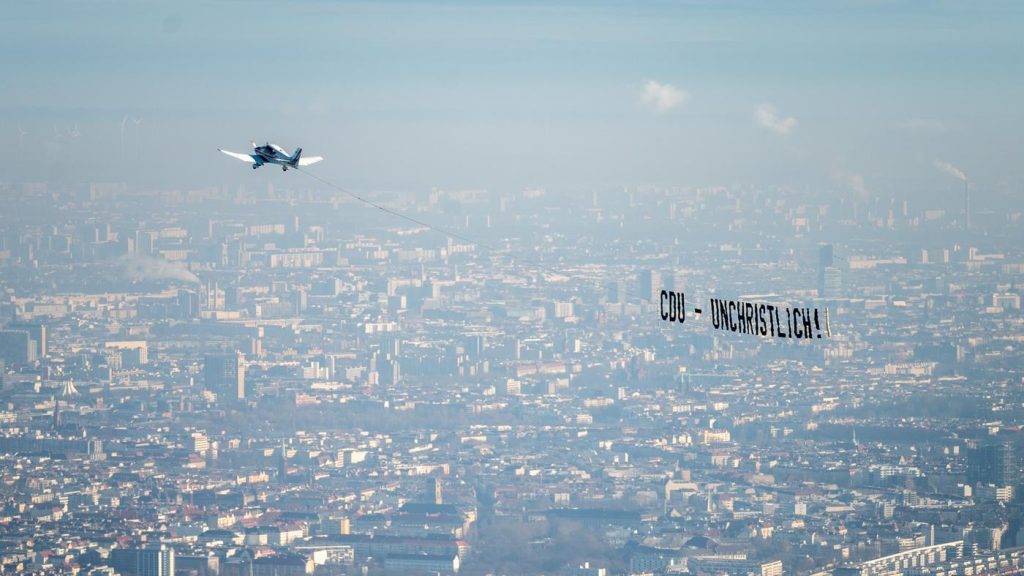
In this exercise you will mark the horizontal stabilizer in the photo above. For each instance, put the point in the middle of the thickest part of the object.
(306, 161)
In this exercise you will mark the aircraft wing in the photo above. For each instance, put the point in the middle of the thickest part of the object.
(242, 157)
(307, 160)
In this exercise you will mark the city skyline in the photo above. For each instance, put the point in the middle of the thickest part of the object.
(593, 288)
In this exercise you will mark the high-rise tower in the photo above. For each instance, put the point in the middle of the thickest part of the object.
(992, 464)
(225, 375)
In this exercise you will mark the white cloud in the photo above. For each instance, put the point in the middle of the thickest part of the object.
(765, 116)
(662, 97)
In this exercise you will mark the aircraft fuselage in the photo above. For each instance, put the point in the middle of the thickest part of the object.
(274, 154)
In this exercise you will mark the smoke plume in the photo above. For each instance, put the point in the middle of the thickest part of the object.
(150, 268)
(947, 168)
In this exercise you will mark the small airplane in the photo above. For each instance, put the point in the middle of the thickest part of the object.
(274, 154)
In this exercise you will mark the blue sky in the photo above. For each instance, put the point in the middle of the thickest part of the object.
(843, 96)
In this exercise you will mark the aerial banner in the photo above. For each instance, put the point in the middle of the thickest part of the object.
(761, 319)
(755, 318)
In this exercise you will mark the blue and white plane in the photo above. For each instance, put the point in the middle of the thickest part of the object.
(274, 154)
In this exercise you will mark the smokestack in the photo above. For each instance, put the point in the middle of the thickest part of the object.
(949, 169)
(967, 205)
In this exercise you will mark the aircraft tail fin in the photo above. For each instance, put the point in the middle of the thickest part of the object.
(295, 157)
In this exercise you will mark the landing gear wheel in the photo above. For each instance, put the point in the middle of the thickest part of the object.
(284, 168)
(255, 166)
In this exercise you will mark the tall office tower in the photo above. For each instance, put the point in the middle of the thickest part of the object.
(475, 345)
(188, 304)
(614, 291)
(826, 259)
(650, 285)
(833, 282)
(225, 374)
(993, 463)
(389, 371)
(668, 282)
(36, 331)
(432, 491)
(299, 301)
(17, 347)
(154, 561)
(830, 272)
(145, 242)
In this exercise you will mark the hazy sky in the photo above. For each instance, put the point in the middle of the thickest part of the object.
(504, 95)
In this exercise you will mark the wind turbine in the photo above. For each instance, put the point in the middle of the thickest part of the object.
(123, 122)
(137, 121)
(73, 136)
(21, 140)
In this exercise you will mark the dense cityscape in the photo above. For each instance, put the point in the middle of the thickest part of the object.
(512, 288)
(284, 380)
